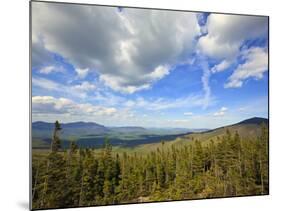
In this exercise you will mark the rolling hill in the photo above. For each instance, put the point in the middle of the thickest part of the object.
(90, 134)
(249, 128)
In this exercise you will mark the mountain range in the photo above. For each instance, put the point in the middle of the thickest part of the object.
(91, 134)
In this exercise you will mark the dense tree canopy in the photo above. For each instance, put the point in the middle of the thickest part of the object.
(228, 166)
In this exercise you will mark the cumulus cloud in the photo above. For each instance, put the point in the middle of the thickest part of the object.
(51, 69)
(130, 49)
(82, 73)
(221, 66)
(221, 112)
(46, 84)
(84, 86)
(115, 82)
(255, 65)
(226, 34)
(51, 109)
(78, 90)
(188, 113)
(52, 105)
(223, 41)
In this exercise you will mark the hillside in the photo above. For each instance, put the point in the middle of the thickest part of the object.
(90, 134)
(233, 166)
(75, 129)
(254, 120)
(247, 129)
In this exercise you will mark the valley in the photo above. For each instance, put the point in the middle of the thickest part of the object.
(89, 134)
(135, 139)
(223, 162)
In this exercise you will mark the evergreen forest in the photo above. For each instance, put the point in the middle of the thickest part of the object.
(75, 177)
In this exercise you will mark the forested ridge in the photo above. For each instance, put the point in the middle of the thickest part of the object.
(227, 166)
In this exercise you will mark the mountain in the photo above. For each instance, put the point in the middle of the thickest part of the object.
(46, 125)
(90, 134)
(249, 128)
(254, 120)
(44, 130)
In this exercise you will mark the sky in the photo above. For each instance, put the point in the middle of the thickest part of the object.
(151, 68)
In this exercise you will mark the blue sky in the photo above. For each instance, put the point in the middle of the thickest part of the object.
(146, 67)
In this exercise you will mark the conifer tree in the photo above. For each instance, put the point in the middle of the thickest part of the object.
(56, 143)
(229, 165)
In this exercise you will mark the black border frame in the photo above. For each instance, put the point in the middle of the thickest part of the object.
(149, 8)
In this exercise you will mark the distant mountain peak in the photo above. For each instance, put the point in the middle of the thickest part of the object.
(81, 123)
(254, 120)
(70, 125)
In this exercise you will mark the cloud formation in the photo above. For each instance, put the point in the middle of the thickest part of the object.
(51, 105)
(221, 112)
(66, 110)
(255, 65)
(130, 49)
(84, 86)
(78, 90)
(51, 69)
(158, 104)
(95, 67)
(226, 34)
(221, 66)
(40, 56)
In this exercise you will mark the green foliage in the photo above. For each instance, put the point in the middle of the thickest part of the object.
(230, 166)
(56, 142)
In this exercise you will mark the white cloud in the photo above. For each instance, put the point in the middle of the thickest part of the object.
(163, 104)
(51, 69)
(82, 73)
(205, 82)
(226, 33)
(49, 108)
(51, 105)
(78, 90)
(158, 73)
(221, 66)
(221, 112)
(130, 50)
(84, 86)
(188, 113)
(256, 64)
(115, 82)
(46, 84)
(224, 109)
